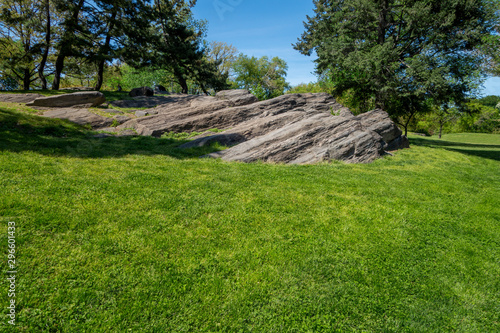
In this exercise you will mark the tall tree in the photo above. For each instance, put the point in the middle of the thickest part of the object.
(45, 14)
(117, 27)
(223, 56)
(73, 37)
(400, 53)
(19, 22)
(179, 43)
(263, 77)
(179, 46)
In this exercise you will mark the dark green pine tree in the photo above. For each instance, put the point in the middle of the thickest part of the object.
(117, 27)
(401, 54)
(20, 40)
(179, 46)
(74, 36)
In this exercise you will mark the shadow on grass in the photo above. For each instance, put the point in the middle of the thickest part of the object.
(481, 150)
(55, 137)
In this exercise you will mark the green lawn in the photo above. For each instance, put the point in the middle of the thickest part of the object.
(131, 234)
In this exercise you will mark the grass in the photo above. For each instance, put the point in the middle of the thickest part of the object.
(133, 234)
(475, 144)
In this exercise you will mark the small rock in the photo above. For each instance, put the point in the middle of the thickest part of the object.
(142, 91)
(141, 113)
(121, 119)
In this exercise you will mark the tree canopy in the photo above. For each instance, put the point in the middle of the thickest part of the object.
(402, 55)
(264, 77)
(54, 38)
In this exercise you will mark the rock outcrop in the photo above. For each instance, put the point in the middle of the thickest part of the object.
(84, 117)
(142, 91)
(293, 128)
(19, 98)
(144, 102)
(83, 99)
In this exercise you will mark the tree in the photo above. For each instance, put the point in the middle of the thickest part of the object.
(46, 15)
(177, 45)
(19, 25)
(400, 53)
(263, 77)
(117, 26)
(223, 56)
(74, 36)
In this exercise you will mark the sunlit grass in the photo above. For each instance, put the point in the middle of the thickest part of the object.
(134, 234)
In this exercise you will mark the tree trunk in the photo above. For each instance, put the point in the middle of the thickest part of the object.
(182, 82)
(66, 45)
(382, 21)
(26, 79)
(412, 113)
(59, 67)
(204, 89)
(47, 46)
(104, 51)
(100, 75)
(440, 129)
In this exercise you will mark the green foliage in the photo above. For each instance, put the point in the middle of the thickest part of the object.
(186, 136)
(480, 119)
(403, 55)
(19, 45)
(8, 83)
(475, 117)
(262, 77)
(84, 40)
(143, 77)
(491, 101)
(132, 234)
(223, 56)
(311, 87)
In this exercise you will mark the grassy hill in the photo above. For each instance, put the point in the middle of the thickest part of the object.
(132, 234)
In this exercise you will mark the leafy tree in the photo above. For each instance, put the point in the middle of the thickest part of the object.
(178, 45)
(223, 56)
(19, 25)
(263, 77)
(46, 15)
(400, 53)
(311, 87)
(117, 27)
(74, 35)
(491, 101)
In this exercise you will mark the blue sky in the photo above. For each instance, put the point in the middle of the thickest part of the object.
(269, 28)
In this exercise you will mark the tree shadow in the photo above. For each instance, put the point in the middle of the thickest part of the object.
(482, 150)
(20, 132)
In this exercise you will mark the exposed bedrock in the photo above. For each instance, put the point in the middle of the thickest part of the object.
(293, 128)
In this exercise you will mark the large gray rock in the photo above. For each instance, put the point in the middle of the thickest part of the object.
(19, 98)
(238, 97)
(294, 128)
(143, 102)
(83, 117)
(87, 98)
